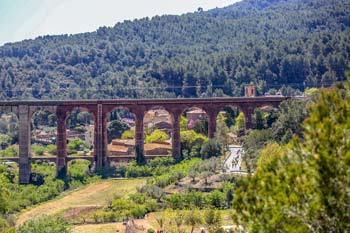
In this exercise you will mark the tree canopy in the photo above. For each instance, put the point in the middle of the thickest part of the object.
(273, 44)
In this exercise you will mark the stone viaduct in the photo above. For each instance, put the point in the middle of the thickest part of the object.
(100, 110)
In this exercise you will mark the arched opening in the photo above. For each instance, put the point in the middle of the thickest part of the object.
(121, 133)
(157, 128)
(43, 134)
(230, 126)
(9, 135)
(193, 131)
(80, 131)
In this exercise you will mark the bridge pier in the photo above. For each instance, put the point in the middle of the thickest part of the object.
(139, 133)
(211, 123)
(61, 142)
(176, 141)
(100, 139)
(24, 144)
(248, 112)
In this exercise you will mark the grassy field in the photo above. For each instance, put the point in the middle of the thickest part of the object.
(91, 197)
(99, 228)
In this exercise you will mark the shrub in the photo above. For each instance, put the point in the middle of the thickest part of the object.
(156, 135)
(45, 224)
(211, 148)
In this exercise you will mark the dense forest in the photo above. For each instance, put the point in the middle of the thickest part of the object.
(280, 45)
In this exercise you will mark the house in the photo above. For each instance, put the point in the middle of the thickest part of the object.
(157, 148)
(119, 147)
(193, 116)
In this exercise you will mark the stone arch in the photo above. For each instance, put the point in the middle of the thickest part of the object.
(43, 136)
(84, 129)
(158, 117)
(118, 146)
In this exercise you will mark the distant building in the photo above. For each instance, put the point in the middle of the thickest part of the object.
(42, 137)
(89, 135)
(249, 90)
(193, 116)
(120, 147)
(157, 148)
(123, 147)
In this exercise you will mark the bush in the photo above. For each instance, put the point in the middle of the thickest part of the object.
(156, 135)
(45, 224)
(211, 148)
(38, 150)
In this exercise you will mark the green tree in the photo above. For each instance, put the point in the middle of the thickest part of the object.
(45, 225)
(193, 218)
(240, 123)
(222, 129)
(115, 129)
(212, 219)
(211, 148)
(300, 188)
(157, 135)
(5, 141)
(289, 121)
(252, 144)
(75, 145)
(128, 134)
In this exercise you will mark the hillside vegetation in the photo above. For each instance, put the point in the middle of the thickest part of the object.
(270, 43)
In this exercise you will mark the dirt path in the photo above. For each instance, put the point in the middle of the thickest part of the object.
(92, 196)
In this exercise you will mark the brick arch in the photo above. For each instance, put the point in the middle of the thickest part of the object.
(106, 116)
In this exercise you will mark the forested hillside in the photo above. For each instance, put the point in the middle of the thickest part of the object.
(272, 43)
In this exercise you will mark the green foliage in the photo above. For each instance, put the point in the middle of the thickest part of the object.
(222, 129)
(11, 151)
(45, 225)
(191, 142)
(289, 121)
(212, 148)
(128, 134)
(301, 187)
(252, 144)
(183, 123)
(51, 149)
(15, 197)
(157, 136)
(75, 145)
(212, 218)
(269, 43)
(240, 122)
(193, 218)
(201, 126)
(115, 129)
(38, 150)
(5, 140)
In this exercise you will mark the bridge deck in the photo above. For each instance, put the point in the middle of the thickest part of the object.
(145, 101)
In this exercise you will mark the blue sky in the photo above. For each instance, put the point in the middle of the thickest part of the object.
(27, 19)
